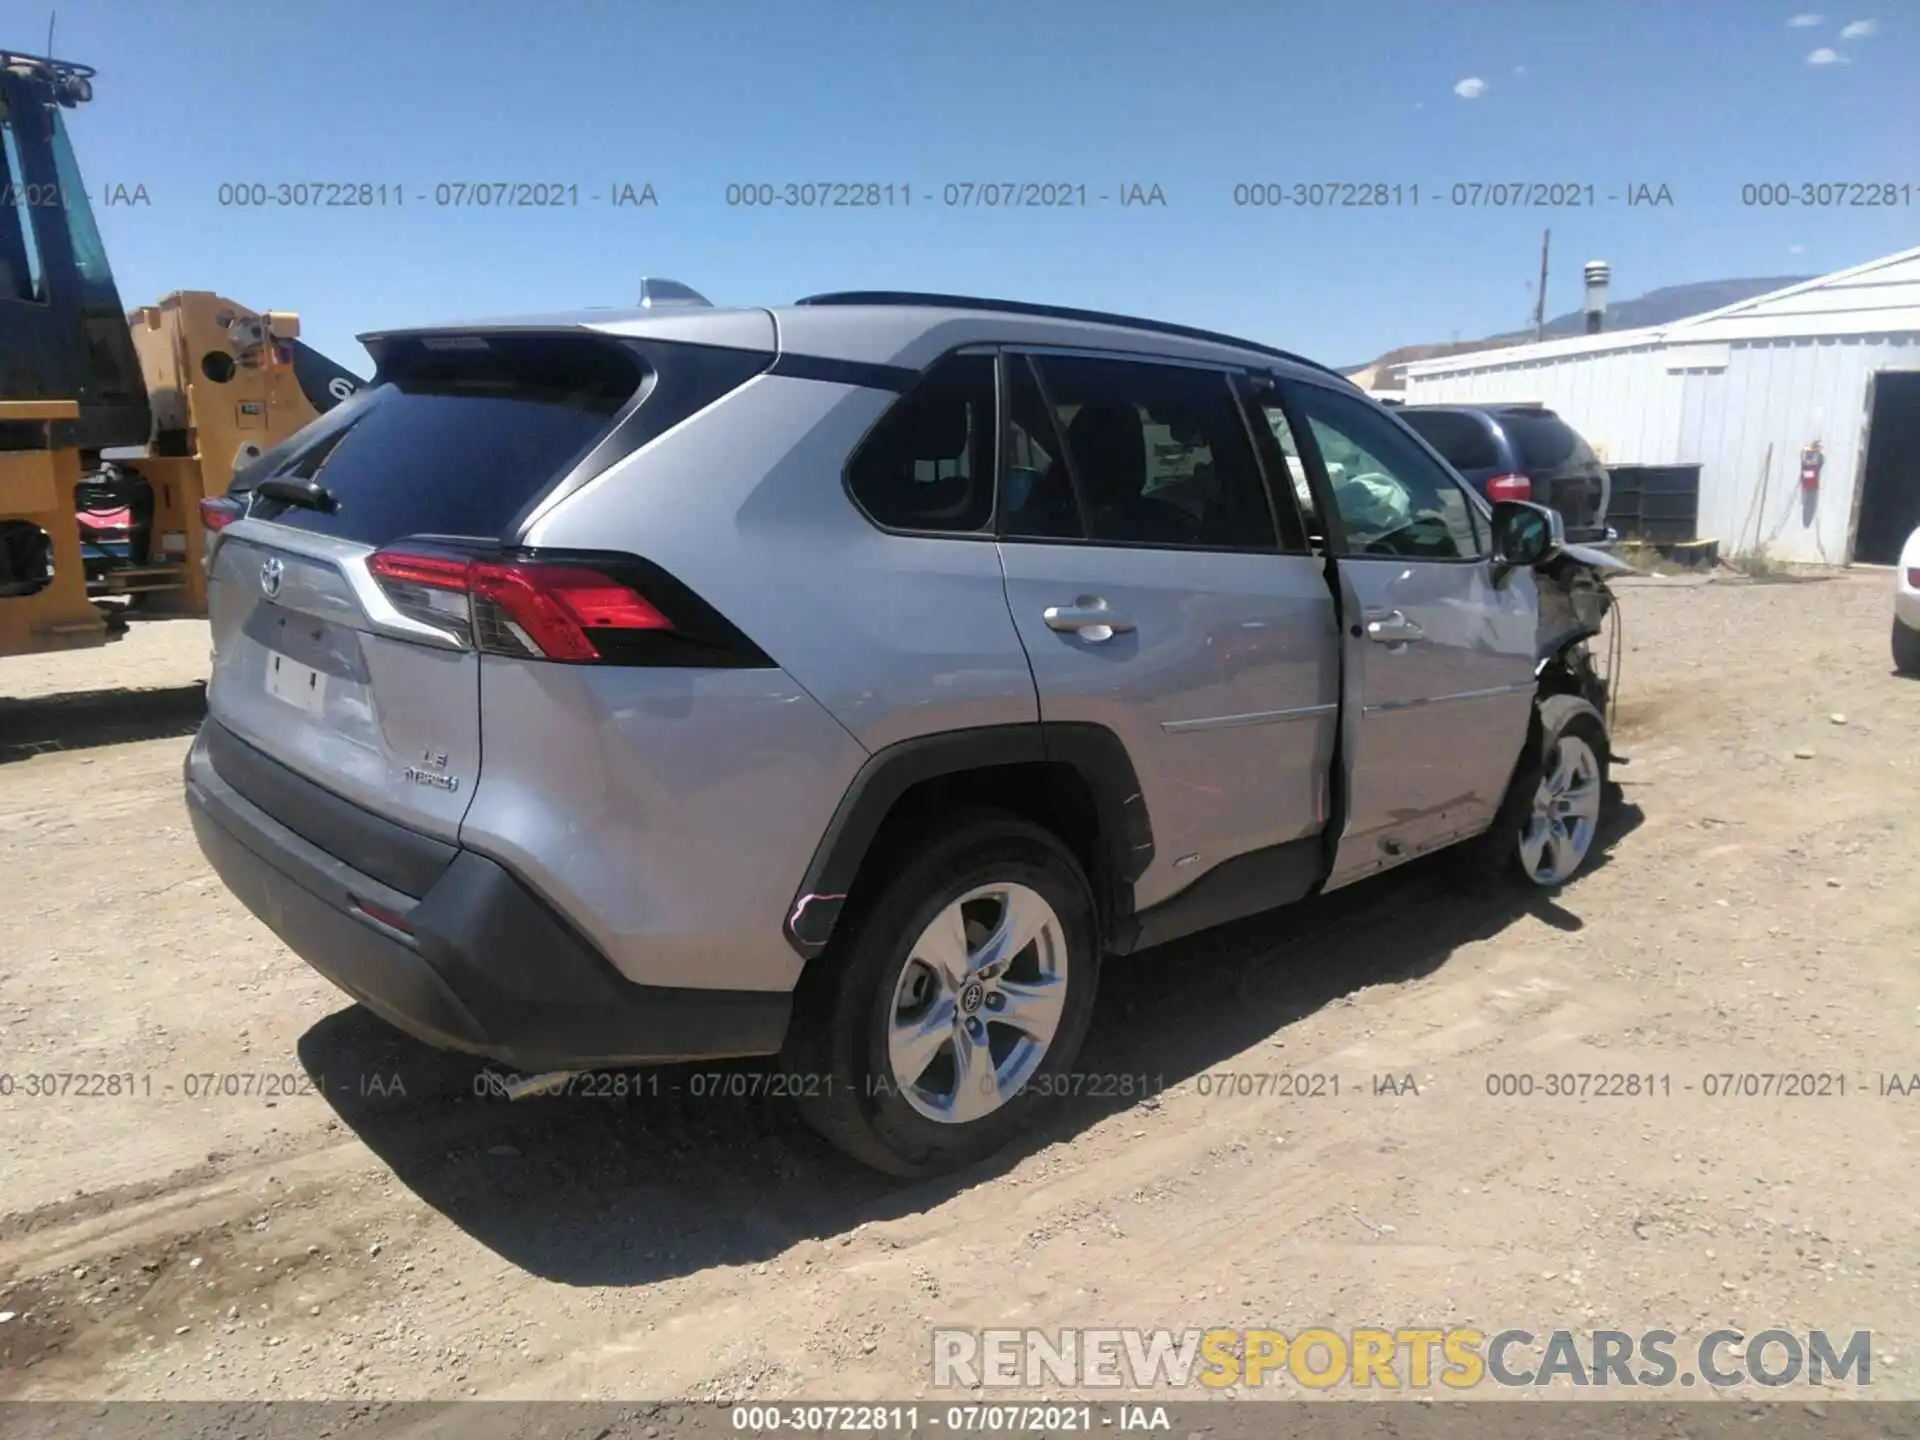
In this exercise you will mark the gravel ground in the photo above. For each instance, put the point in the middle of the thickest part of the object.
(354, 1221)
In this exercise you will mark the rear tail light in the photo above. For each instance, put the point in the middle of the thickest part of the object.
(1913, 578)
(1509, 487)
(219, 511)
(580, 609)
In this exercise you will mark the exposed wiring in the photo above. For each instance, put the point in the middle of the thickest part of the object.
(1616, 652)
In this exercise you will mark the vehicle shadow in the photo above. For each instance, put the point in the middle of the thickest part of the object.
(660, 1173)
(83, 719)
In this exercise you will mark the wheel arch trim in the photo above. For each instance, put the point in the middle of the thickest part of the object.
(1124, 834)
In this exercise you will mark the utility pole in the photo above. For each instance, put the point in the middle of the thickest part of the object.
(1540, 295)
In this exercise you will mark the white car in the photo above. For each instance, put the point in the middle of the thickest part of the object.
(1906, 609)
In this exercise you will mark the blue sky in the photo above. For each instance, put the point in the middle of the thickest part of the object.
(1702, 97)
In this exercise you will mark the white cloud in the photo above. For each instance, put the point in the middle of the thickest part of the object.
(1519, 69)
(1806, 22)
(1824, 56)
(1859, 29)
(1471, 88)
(1796, 249)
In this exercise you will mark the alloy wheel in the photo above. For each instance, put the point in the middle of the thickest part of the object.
(977, 1003)
(1566, 812)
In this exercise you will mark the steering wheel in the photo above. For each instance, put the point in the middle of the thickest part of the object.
(1437, 537)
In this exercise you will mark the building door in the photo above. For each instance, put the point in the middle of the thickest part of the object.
(1890, 480)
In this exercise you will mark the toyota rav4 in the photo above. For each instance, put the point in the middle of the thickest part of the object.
(845, 681)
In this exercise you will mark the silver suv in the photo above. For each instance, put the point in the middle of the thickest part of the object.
(845, 681)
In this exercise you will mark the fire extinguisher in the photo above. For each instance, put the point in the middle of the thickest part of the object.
(1810, 462)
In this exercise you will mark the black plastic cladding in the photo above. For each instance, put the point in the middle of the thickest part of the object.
(698, 376)
(1093, 750)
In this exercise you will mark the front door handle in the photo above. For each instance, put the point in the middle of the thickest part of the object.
(1090, 617)
(1393, 628)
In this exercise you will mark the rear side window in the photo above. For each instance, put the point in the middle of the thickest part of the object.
(1465, 441)
(456, 436)
(928, 464)
(1545, 441)
(1151, 455)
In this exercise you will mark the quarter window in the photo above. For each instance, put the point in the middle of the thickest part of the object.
(928, 464)
(1393, 498)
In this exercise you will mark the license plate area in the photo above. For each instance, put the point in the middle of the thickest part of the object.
(292, 683)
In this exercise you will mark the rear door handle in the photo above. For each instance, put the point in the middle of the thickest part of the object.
(1090, 617)
(1393, 628)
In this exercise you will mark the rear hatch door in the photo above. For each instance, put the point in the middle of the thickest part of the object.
(371, 690)
(1464, 439)
(1566, 474)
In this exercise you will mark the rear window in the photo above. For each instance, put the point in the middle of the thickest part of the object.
(456, 436)
(1544, 441)
(1463, 440)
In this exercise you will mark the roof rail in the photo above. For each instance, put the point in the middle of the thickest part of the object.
(1059, 312)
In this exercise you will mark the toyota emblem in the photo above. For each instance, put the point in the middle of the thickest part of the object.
(270, 574)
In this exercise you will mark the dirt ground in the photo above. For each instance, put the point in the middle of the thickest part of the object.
(355, 1222)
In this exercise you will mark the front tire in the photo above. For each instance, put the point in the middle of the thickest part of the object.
(952, 1001)
(1906, 648)
(1549, 821)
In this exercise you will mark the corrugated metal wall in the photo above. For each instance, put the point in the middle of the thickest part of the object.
(1718, 407)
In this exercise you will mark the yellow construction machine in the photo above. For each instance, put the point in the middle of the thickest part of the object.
(114, 427)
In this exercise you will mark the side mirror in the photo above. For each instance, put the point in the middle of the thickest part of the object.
(1525, 534)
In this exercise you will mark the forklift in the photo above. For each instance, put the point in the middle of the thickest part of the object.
(114, 427)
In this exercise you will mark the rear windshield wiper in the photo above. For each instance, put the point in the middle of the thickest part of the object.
(308, 493)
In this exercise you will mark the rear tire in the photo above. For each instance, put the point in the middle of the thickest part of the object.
(887, 997)
(1906, 648)
(1549, 820)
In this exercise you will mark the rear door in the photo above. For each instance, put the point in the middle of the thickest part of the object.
(1158, 594)
(1439, 657)
(369, 689)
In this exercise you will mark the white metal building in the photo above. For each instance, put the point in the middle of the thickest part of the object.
(1739, 392)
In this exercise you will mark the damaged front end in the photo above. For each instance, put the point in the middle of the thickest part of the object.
(1574, 605)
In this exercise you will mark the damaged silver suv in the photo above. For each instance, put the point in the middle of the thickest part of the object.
(847, 680)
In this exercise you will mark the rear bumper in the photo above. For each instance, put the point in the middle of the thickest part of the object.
(484, 965)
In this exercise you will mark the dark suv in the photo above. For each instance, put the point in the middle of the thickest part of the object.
(1521, 452)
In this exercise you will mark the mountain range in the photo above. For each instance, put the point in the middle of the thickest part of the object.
(1657, 307)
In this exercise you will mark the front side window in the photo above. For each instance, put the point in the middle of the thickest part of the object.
(928, 464)
(1393, 498)
(1140, 454)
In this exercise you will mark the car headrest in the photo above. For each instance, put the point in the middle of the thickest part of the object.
(1109, 446)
